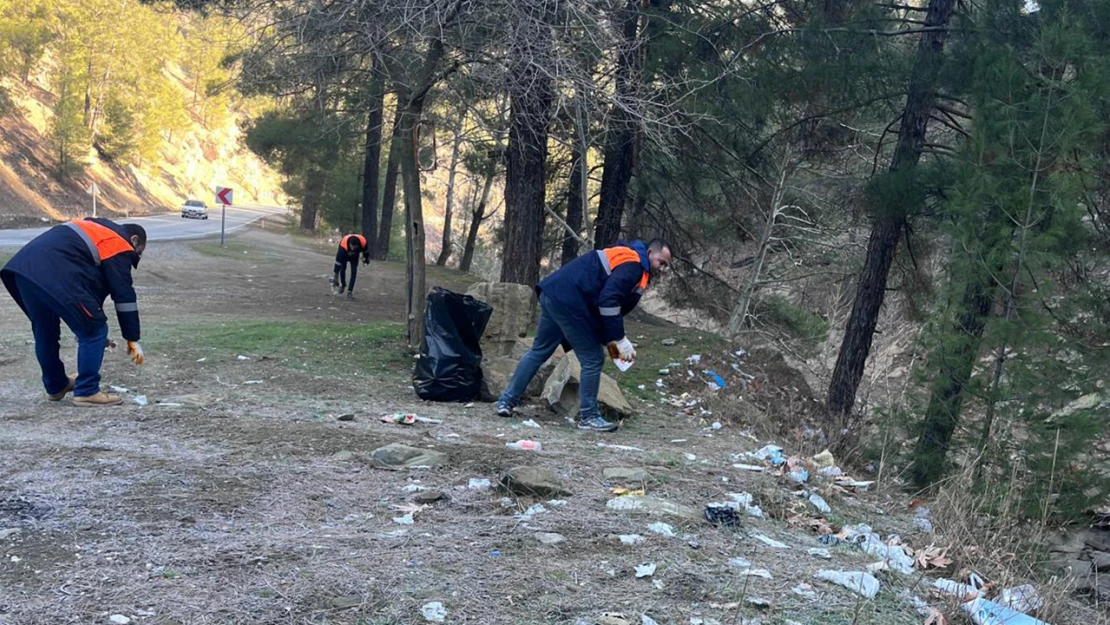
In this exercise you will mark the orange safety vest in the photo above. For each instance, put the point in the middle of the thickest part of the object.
(102, 241)
(612, 257)
(346, 239)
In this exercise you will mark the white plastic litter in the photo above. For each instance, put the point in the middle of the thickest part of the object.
(762, 573)
(744, 500)
(663, 529)
(863, 584)
(749, 467)
(956, 589)
(983, 612)
(529, 424)
(739, 563)
(620, 447)
(434, 612)
(771, 542)
(647, 620)
(819, 502)
(645, 570)
(820, 553)
(631, 539)
(119, 619)
(403, 520)
(140, 400)
(120, 390)
(872, 544)
(476, 483)
(1024, 598)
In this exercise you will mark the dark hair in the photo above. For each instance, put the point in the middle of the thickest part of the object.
(658, 245)
(353, 243)
(135, 230)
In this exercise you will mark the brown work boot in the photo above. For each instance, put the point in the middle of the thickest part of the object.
(100, 399)
(60, 395)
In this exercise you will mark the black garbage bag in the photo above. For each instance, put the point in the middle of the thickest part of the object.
(450, 363)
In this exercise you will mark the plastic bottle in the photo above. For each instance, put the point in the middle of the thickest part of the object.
(522, 444)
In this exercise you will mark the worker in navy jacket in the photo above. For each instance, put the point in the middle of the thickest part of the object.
(583, 304)
(350, 247)
(65, 274)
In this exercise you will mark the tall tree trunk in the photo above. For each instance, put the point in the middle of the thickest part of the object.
(445, 246)
(574, 200)
(389, 194)
(890, 219)
(414, 221)
(739, 315)
(372, 162)
(529, 114)
(313, 194)
(956, 363)
(476, 217)
(621, 134)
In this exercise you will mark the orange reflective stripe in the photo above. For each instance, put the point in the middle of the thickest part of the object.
(103, 242)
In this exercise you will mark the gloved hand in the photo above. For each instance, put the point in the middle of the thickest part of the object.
(624, 349)
(135, 351)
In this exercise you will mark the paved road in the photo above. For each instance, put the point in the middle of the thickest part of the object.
(169, 227)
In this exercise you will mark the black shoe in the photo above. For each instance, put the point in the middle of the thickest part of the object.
(504, 410)
(350, 295)
(597, 424)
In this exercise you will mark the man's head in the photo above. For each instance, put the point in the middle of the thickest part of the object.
(659, 256)
(354, 246)
(136, 236)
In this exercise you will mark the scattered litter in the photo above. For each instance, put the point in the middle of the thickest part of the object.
(863, 584)
(820, 553)
(663, 529)
(848, 483)
(532, 511)
(628, 492)
(829, 539)
(403, 520)
(408, 418)
(771, 542)
(529, 424)
(759, 602)
(824, 460)
(645, 570)
(631, 539)
(496, 553)
(923, 520)
(694, 359)
(1024, 598)
(549, 538)
(16, 559)
(413, 488)
(120, 390)
(119, 619)
(740, 353)
(805, 591)
(872, 544)
(201, 359)
(253, 382)
(669, 342)
(620, 447)
(799, 475)
(525, 445)
(691, 457)
(664, 371)
(983, 612)
(964, 592)
(659, 383)
(434, 612)
(557, 503)
(830, 472)
(140, 400)
(739, 563)
(717, 379)
(722, 514)
(10, 532)
(819, 503)
(716, 425)
(647, 620)
(749, 467)
(762, 573)
(242, 357)
(744, 500)
(678, 440)
(477, 483)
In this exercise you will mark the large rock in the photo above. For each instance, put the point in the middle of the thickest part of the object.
(512, 315)
(397, 456)
(497, 372)
(625, 474)
(651, 505)
(533, 482)
(560, 392)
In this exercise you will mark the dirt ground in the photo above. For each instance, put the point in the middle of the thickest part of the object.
(236, 496)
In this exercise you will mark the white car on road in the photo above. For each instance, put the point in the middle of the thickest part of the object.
(194, 209)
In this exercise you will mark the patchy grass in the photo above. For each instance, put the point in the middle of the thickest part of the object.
(233, 250)
(652, 355)
(320, 347)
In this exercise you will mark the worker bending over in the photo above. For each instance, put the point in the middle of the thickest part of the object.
(583, 304)
(65, 274)
(349, 248)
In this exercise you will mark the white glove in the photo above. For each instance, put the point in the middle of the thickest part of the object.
(627, 352)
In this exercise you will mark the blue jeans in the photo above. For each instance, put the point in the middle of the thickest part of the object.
(46, 315)
(557, 325)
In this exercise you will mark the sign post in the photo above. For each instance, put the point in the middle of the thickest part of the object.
(223, 198)
(93, 190)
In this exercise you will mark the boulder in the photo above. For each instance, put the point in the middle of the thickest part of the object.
(533, 482)
(624, 474)
(497, 372)
(560, 393)
(397, 456)
(512, 315)
(651, 505)
(1099, 540)
(1100, 560)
